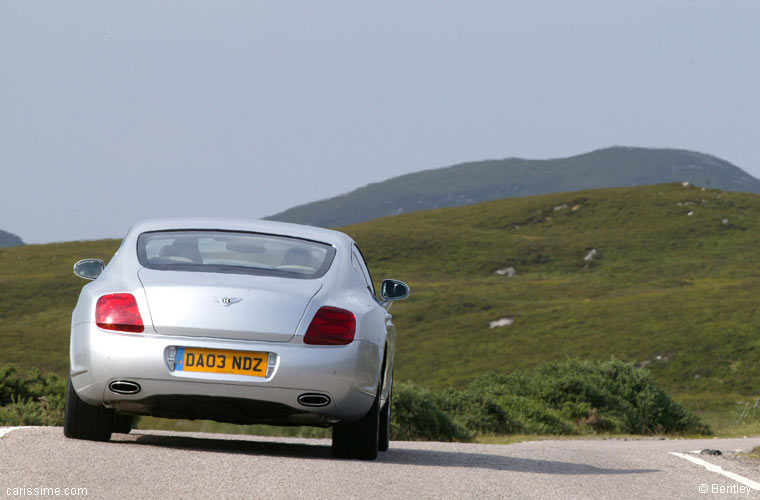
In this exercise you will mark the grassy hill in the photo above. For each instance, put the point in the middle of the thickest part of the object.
(476, 182)
(9, 239)
(672, 291)
(38, 291)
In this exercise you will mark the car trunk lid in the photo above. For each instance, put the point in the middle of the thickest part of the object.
(231, 306)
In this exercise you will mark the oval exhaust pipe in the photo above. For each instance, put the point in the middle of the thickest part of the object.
(314, 399)
(124, 387)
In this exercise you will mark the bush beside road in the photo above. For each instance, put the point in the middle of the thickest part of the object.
(573, 397)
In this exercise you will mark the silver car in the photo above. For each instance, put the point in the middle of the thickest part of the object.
(248, 322)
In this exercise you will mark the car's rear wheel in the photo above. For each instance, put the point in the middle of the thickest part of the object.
(122, 424)
(384, 440)
(84, 421)
(359, 439)
(341, 441)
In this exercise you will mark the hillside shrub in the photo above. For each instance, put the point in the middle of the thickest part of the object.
(626, 397)
(515, 394)
(28, 412)
(416, 416)
(30, 398)
(536, 417)
(748, 412)
(569, 397)
(479, 413)
(559, 398)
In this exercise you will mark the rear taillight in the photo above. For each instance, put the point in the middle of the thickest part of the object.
(118, 311)
(331, 326)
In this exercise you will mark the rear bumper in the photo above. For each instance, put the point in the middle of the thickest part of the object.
(349, 375)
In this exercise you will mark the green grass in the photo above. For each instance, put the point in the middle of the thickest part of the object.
(668, 285)
(38, 291)
(681, 288)
(522, 438)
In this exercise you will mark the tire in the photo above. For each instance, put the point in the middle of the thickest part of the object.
(384, 440)
(122, 424)
(359, 439)
(341, 441)
(368, 432)
(84, 421)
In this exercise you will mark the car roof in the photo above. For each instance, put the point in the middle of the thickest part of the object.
(250, 225)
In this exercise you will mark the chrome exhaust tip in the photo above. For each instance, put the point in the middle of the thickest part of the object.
(313, 399)
(124, 387)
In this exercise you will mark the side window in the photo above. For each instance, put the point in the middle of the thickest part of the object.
(358, 259)
(358, 269)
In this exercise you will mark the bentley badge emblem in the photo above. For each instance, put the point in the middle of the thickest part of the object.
(226, 301)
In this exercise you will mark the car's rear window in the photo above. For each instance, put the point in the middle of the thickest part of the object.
(234, 252)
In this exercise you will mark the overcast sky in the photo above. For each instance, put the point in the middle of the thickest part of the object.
(111, 112)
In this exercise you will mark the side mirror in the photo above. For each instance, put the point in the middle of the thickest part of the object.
(89, 269)
(394, 290)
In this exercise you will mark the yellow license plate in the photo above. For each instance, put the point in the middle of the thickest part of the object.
(191, 359)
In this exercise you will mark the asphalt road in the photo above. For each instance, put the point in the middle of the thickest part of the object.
(155, 464)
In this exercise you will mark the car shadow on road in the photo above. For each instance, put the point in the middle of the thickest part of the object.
(498, 462)
(231, 445)
(400, 456)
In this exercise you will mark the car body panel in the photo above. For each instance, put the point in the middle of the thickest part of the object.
(190, 303)
(180, 309)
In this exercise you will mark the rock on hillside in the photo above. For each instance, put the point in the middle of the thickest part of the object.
(476, 182)
(9, 239)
